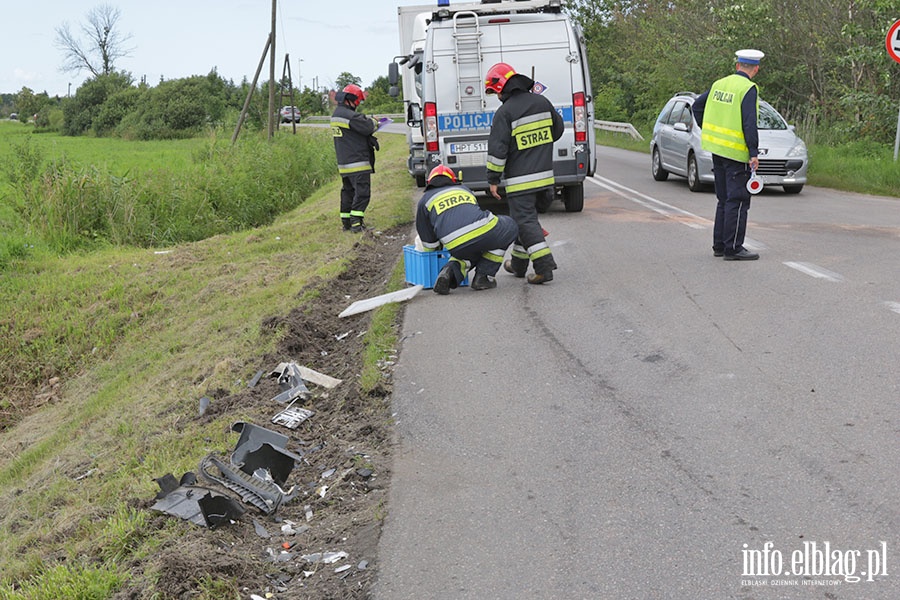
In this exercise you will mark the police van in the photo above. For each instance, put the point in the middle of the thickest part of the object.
(537, 39)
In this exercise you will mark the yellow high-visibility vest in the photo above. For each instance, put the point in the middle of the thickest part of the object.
(723, 132)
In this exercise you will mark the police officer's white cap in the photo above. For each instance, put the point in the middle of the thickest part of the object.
(749, 57)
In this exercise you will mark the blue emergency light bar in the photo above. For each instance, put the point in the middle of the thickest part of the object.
(443, 3)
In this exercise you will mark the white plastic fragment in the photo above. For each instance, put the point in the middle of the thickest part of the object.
(318, 378)
(343, 568)
(332, 557)
(370, 303)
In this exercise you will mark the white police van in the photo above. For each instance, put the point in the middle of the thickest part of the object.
(537, 39)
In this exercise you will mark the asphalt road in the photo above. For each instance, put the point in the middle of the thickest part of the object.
(657, 423)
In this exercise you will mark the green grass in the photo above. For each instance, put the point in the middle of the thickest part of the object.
(136, 337)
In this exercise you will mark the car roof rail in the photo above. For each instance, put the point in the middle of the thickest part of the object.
(691, 94)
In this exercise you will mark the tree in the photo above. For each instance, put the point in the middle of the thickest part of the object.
(345, 79)
(103, 46)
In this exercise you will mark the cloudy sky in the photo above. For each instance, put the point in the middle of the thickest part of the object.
(173, 39)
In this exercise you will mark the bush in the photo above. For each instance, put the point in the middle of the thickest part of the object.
(226, 188)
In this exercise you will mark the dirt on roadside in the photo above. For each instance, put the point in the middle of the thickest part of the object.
(346, 446)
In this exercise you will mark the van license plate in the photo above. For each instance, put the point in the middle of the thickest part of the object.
(464, 147)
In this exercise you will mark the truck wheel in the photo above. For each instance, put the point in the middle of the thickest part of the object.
(573, 197)
(656, 168)
(420, 180)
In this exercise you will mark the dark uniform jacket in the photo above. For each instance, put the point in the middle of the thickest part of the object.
(449, 215)
(521, 141)
(354, 143)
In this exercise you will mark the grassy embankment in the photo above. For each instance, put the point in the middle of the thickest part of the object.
(136, 333)
(860, 167)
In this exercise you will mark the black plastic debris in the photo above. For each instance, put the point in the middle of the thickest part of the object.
(264, 495)
(199, 505)
(261, 531)
(255, 379)
(261, 448)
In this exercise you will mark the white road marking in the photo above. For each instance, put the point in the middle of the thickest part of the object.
(653, 204)
(894, 306)
(814, 271)
(667, 210)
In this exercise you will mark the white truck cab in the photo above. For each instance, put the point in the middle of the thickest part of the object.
(537, 39)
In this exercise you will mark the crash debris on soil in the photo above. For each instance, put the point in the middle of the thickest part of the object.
(294, 511)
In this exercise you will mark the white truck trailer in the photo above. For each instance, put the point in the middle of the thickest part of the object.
(535, 37)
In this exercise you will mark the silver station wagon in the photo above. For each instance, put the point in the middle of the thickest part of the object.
(675, 148)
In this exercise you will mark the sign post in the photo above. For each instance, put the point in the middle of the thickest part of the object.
(893, 48)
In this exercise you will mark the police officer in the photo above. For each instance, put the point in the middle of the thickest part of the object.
(354, 145)
(448, 215)
(727, 114)
(520, 147)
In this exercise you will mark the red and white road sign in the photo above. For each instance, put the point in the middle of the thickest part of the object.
(893, 41)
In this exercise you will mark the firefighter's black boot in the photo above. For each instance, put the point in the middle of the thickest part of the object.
(538, 278)
(483, 282)
(513, 266)
(448, 279)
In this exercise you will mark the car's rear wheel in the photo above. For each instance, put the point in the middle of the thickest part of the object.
(693, 174)
(573, 197)
(656, 168)
(792, 189)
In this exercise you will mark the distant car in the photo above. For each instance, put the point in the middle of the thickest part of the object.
(675, 148)
(290, 114)
(13, 117)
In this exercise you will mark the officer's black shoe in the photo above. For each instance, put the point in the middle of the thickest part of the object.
(539, 278)
(742, 254)
(718, 251)
(508, 267)
(445, 280)
(483, 282)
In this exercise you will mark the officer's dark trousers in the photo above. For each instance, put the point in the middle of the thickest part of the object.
(733, 203)
(486, 252)
(355, 193)
(523, 208)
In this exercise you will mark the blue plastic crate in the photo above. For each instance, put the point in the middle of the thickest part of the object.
(422, 268)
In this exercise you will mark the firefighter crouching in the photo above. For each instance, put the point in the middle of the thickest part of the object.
(448, 216)
(354, 145)
(520, 147)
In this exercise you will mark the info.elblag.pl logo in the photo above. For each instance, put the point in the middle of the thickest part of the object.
(813, 563)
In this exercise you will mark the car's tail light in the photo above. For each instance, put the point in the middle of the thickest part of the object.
(431, 129)
(580, 115)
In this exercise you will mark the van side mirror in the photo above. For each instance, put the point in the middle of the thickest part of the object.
(393, 73)
(393, 91)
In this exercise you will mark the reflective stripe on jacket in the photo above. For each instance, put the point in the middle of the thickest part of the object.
(450, 216)
(722, 129)
(351, 131)
(521, 141)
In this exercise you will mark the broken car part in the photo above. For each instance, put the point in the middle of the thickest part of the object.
(261, 448)
(264, 495)
(199, 505)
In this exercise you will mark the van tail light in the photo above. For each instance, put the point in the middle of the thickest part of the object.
(580, 117)
(431, 129)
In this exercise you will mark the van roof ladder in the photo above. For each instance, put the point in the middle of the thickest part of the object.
(467, 38)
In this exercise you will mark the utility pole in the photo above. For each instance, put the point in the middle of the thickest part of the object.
(272, 75)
